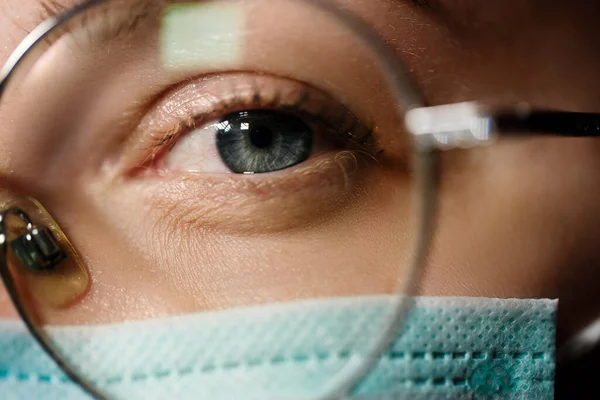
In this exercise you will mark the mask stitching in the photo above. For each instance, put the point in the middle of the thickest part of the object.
(439, 381)
(303, 357)
(463, 355)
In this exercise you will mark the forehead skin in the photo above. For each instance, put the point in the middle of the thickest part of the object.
(434, 36)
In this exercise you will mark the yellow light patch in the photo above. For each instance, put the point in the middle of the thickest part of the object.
(203, 34)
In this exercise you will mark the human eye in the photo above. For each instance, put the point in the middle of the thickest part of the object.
(248, 123)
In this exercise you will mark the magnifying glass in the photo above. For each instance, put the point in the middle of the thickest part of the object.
(214, 190)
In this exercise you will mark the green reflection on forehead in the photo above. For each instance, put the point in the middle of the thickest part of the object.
(203, 34)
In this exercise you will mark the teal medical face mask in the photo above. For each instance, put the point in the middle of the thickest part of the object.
(450, 348)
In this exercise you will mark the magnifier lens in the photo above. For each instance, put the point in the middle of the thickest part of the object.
(221, 167)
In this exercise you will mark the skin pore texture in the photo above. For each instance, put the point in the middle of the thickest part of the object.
(517, 219)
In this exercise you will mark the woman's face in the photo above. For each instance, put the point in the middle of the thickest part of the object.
(517, 219)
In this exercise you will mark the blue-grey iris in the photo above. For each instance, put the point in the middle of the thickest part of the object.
(261, 141)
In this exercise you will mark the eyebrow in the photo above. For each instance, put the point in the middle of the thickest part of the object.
(58, 8)
(54, 8)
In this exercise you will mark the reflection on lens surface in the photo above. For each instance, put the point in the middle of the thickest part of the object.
(236, 179)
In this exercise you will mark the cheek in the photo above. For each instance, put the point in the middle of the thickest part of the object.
(16, 19)
(150, 258)
(6, 308)
(520, 219)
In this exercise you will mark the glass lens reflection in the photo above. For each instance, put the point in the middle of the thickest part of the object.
(212, 156)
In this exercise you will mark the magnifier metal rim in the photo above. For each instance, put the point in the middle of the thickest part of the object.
(408, 97)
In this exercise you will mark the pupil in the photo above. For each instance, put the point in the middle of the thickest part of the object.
(261, 137)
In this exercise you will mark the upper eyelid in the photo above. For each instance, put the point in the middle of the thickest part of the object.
(246, 96)
(299, 102)
(173, 135)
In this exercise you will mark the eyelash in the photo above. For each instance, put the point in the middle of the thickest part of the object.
(364, 142)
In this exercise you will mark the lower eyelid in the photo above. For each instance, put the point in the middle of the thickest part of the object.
(241, 204)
